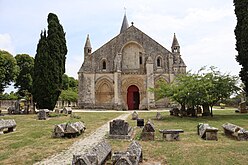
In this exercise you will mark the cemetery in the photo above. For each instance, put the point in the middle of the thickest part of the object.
(159, 140)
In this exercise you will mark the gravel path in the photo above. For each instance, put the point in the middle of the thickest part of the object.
(81, 146)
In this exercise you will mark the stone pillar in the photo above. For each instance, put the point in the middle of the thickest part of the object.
(86, 91)
(117, 86)
(150, 83)
(116, 90)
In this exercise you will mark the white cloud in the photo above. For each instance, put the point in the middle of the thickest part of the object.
(6, 43)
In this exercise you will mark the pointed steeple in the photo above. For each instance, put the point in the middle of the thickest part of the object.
(175, 47)
(87, 43)
(87, 47)
(124, 25)
(175, 42)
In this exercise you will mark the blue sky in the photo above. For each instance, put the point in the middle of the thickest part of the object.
(204, 29)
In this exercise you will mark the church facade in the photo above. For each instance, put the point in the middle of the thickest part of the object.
(119, 73)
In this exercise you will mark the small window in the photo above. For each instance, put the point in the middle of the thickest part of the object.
(89, 50)
(140, 60)
(158, 62)
(104, 65)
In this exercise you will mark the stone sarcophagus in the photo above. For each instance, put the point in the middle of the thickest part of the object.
(148, 131)
(68, 129)
(120, 129)
(43, 114)
(171, 134)
(98, 155)
(7, 126)
(235, 131)
(206, 132)
(133, 155)
(67, 110)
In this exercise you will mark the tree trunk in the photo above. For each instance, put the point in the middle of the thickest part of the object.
(206, 111)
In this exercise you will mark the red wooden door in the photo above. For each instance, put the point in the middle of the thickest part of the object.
(133, 97)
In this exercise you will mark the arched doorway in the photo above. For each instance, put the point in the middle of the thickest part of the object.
(133, 97)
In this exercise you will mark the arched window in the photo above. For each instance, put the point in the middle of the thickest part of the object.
(159, 62)
(104, 65)
(140, 58)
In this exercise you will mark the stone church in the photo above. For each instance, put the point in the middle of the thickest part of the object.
(119, 73)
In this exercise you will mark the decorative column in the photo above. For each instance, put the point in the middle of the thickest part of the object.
(150, 83)
(117, 77)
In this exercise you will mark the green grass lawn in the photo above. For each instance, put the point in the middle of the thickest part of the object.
(191, 149)
(32, 139)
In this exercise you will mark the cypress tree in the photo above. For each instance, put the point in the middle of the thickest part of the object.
(241, 33)
(49, 64)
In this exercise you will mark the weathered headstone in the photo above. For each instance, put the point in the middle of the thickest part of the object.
(10, 125)
(57, 111)
(133, 155)
(206, 132)
(158, 116)
(148, 131)
(140, 122)
(67, 110)
(235, 131)
(95, 156)
(242, 107)
(68, 129)
(120, 129)
(135, 115)
(42, 114)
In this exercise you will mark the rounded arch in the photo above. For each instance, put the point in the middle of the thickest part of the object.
(133, 97)
(103, 64)
(136, 81)
(161, 78)
(159, 61)
(160, 102)
(132, 42)
(132, 53)
(104, 91)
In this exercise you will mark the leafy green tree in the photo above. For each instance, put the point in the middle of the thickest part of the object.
(8, 69)
(49, 64)
(10, 96)
(73, 83)
(24, 80)
(65, 82)
(241, 32)
(69, 92)
(69, 95)
(204, 88)
(216, 87)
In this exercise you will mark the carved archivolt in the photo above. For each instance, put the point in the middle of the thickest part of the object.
(161, 78)
(137, 81)
(104, 91)
(157, 80)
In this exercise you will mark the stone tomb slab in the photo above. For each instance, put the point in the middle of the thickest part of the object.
(148, 131)
(7, 126)
(171, 134)
(235, 131)
(207, 132)
(99, 154)
(133, 155)
(120, 129)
